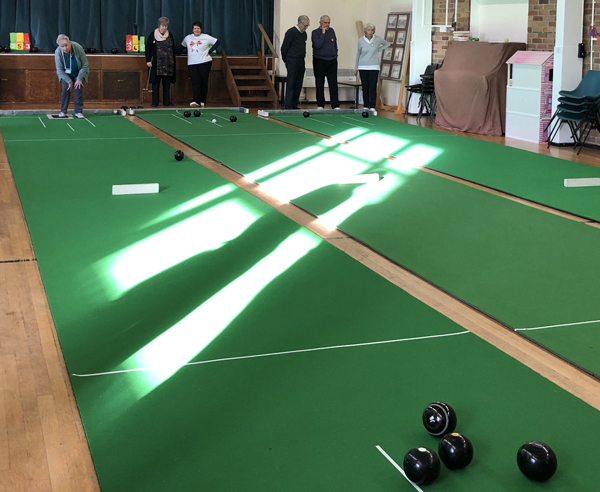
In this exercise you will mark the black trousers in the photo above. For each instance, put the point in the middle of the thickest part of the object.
(295, 77)
(199, 74)
(166, 83)
(369, 86)
(322, 69)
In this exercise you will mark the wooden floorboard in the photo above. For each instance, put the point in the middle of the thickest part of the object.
(42, 441)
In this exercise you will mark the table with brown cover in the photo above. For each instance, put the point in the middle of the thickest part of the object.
(471, 86)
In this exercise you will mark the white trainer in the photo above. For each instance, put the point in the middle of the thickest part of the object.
(194, 104)
(79, 115)
(202, 104)
(62, 115)
(320, 108)
(337, 109)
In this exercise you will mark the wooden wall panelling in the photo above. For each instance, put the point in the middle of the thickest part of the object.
(31, 78)
(12, 85)
(42, 86)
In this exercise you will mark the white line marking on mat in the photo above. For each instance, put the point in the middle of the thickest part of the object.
(90, 123)
(317, 349)
(223, 117)
(398, 468)
(180, 118)
(354, 119)
(319, 121)
(77, 139)
(210, 121)
(355, 126)
(70, 127)
(240, 134)
(557, 326)
(41, 121)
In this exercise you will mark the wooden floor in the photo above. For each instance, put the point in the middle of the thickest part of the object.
(42, 443)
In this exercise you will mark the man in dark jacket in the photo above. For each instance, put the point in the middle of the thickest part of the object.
(325, 53)
(293, 52)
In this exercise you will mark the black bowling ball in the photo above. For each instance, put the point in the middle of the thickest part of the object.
(537, 461)
(422, 466)
(456, 451)
(439, 419)
(114, 51)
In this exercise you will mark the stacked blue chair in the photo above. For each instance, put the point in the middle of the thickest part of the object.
(580, 109)
(426, 93)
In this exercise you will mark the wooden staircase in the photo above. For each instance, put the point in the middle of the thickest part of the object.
(249, 82)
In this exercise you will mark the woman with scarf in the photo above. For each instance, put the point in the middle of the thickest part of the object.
(160, 58)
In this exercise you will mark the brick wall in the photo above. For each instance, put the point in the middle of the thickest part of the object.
(541, 26)
(440, 39)
(541, 31)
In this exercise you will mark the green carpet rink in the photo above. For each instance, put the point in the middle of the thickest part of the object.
(536, 177)
(213, 344)
(531, 270)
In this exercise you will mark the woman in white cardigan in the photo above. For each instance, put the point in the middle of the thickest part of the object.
(367, 63)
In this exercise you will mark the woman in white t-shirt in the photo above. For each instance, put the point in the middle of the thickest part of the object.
(199, 46)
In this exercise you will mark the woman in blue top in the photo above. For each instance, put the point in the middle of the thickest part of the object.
(72, 69)
(367, 63)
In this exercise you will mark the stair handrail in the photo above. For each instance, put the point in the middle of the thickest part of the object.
(265, 37)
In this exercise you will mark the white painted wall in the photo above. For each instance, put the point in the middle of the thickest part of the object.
(344, 14)
(490, 20)
(496, 20)
(567, 67)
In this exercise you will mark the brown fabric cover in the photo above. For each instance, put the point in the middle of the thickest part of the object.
(471, 86)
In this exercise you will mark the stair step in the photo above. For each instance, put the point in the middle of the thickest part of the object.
(245, 67)
(272, 98)
(249, 77)
(253, 87)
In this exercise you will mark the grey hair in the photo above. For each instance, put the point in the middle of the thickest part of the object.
(367, 26)
(163, 21)
(302, 19)
(62, 38)
(323, 16)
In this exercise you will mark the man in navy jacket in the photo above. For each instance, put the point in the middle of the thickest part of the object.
(325, 52)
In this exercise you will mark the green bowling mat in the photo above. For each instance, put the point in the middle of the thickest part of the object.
(215, 345)
(535, 177)
(525, 267)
